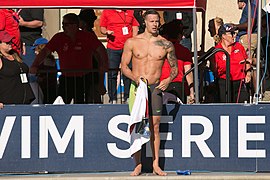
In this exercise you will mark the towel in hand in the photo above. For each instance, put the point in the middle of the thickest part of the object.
(138, 113)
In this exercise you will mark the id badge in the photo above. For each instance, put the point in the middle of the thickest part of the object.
(125, 30)
(24, 78)
(179, 16)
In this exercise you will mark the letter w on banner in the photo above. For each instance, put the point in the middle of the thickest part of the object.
(138, 114)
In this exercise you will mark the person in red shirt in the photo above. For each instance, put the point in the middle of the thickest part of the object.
(9, 22)
(173, 32)
(239, 66)
(87, 18)
(118, 26)
(75, 49)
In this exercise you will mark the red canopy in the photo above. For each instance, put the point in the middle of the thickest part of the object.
(103, 4)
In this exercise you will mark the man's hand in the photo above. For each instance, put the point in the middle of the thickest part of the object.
(163, 85)
(108, 32)
(21, 21)
(248, 77)
(1, 105)
(191, 100)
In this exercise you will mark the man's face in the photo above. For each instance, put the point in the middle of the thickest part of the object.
(152, 23)
(69, 27)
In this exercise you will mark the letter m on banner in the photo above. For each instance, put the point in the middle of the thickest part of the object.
(47, 126)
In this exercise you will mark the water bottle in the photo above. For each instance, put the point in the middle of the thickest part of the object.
(185, 172)
(146, 129)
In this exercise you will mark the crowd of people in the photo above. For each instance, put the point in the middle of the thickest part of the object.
(83, 65)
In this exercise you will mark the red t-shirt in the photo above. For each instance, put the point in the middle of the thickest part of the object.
(74, 55)
(9, 22)
(114, 21)
(238, 54)
(183, 56)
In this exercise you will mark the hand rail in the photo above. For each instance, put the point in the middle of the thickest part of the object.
(203, 58)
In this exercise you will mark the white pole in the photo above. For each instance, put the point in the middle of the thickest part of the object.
(196, 74)
(259, 7)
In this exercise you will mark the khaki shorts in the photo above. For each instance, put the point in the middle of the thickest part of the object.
(253, 42)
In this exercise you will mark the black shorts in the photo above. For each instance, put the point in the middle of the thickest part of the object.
(155, 101)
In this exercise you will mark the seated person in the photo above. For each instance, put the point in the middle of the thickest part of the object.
(47, 76)
(172, 31)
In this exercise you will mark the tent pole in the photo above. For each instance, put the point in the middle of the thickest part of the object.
(258, 50)
(196, 74)
(249, 29)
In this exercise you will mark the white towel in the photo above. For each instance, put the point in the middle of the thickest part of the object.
(58, 100)
(139, 111)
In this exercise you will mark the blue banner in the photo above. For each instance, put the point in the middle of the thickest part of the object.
(89, 138)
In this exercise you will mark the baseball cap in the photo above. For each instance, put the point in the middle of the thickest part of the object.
(245, 1)
(226, 28)
(5, 37)
(38, 42)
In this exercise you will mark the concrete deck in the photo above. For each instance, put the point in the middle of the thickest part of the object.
(145, 176)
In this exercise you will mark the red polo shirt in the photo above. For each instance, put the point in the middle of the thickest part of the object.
(183, 56)
(114, 21)
(238, 54)
(74, 54)
(9, 22)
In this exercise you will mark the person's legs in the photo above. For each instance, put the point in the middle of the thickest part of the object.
(114, 62)
(222, 90)
(136, 156)
(253, 45)
(65, 89)
(80, 87)
(127, 83)
(240, 92)
(138, 164)
(28, 58)
(155, 112)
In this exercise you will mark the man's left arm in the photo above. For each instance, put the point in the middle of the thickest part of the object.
(163, 85)
(30, 24)
(135, 30)
(38, 18)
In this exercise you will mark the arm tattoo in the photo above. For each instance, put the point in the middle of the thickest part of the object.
(173, 63)
(165, 44)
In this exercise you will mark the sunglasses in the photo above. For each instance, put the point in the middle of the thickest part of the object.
(67, 24)
(8, 43)
(231, 33)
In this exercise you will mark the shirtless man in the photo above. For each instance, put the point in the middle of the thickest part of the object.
(148, 52)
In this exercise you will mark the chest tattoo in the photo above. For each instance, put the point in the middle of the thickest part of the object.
(164, 44)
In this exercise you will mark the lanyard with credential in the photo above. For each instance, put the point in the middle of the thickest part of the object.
(125, 28)
(122, 17)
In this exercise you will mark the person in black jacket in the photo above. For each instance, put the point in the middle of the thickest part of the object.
(14, 85)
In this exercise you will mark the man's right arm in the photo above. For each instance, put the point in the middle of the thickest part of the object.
(126, 58)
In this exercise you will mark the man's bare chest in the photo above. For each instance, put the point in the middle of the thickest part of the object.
(150, 50)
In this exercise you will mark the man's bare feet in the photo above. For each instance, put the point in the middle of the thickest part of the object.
(137, 170)
(158, 171)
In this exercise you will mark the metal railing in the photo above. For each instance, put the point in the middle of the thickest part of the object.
(205, 57)
(80, 84)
